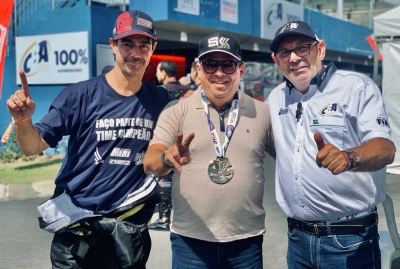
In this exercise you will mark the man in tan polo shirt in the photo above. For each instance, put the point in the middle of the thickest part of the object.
(218, 186)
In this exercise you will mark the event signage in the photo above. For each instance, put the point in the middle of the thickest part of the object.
(53, 59)
(275, 14)
(229, 11)
(189, 6)
(5, 17)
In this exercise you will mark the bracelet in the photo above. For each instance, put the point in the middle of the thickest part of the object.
(23, 120)
(164, 163)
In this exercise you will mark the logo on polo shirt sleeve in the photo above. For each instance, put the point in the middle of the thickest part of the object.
(382, 121)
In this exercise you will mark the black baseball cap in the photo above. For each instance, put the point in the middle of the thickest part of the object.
(134, 22)
(220, 42)
(294, 28)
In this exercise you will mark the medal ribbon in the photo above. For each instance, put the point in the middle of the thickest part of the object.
(230, 128)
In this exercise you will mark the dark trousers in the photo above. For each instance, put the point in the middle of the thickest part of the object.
(164, 190)
(190, 253)
(100, 253)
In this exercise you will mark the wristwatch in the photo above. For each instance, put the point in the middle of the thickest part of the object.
(354, 160)
(164, 162)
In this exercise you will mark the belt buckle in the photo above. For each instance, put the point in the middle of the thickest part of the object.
(316, 231)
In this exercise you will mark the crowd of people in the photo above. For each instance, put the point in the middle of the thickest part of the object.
(197, 150)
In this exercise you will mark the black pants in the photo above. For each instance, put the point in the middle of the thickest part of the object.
(164, 189)
(101, 251)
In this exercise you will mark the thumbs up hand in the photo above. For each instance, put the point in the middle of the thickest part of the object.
(319, 140)
(330, 157)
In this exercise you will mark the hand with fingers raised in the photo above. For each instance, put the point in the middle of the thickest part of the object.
(178, 154)
(20, 105)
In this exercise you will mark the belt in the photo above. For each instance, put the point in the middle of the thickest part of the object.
(350, 226)
(84, 228)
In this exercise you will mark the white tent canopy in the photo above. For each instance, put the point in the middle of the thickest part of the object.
(387, 36)
(387, 24)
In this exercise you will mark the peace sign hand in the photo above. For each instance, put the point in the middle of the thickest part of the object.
(178, 154)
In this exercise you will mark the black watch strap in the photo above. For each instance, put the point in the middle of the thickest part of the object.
(164, 163)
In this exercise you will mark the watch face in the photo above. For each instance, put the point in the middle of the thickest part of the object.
(355, 160)
(355, 157)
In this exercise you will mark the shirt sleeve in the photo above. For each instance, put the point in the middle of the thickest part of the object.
(60, 119)
(168, 124)
(370, 112)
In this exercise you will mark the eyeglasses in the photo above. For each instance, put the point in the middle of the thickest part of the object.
(210, 66)
(301, 50)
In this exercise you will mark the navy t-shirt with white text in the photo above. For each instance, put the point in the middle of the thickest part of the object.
(108, 137)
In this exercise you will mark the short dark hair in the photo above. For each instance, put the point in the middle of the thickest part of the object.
(169, 67)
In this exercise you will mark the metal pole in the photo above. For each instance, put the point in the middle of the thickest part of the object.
(376, 63)
(339, 8)
(15, 19)
(371, 7)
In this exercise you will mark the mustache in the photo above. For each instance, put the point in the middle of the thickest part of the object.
(135, 60)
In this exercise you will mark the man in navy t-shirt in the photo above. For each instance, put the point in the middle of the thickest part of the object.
(109, 120)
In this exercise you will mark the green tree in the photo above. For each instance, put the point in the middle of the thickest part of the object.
(10, 151)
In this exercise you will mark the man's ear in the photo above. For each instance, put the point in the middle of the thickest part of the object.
(112, 44)
(275, 60)
(154, 47)
(321, 49)
(241, 70)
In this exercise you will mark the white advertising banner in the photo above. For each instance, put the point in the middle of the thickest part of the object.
(189, 7)
(275, 14)
(229, 11)
(53, 59)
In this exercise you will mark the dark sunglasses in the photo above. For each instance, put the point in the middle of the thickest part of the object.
(211, 66)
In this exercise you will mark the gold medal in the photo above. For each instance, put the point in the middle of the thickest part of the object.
(220, 170)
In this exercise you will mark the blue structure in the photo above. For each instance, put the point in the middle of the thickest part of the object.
(178, 34)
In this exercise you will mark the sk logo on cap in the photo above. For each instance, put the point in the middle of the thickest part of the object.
(221, 43)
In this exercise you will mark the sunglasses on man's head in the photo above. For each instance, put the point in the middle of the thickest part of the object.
(211, 66)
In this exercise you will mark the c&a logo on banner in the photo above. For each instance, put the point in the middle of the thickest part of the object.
(35, 58)
(278, 13)
(48, 59)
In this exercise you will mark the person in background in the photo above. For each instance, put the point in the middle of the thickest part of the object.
(333, 142)
(103, 199)
(192, 79)
(107, 69)
(218, 219)
(166, 76)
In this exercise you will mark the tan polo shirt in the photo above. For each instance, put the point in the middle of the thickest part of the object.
(203, 209)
